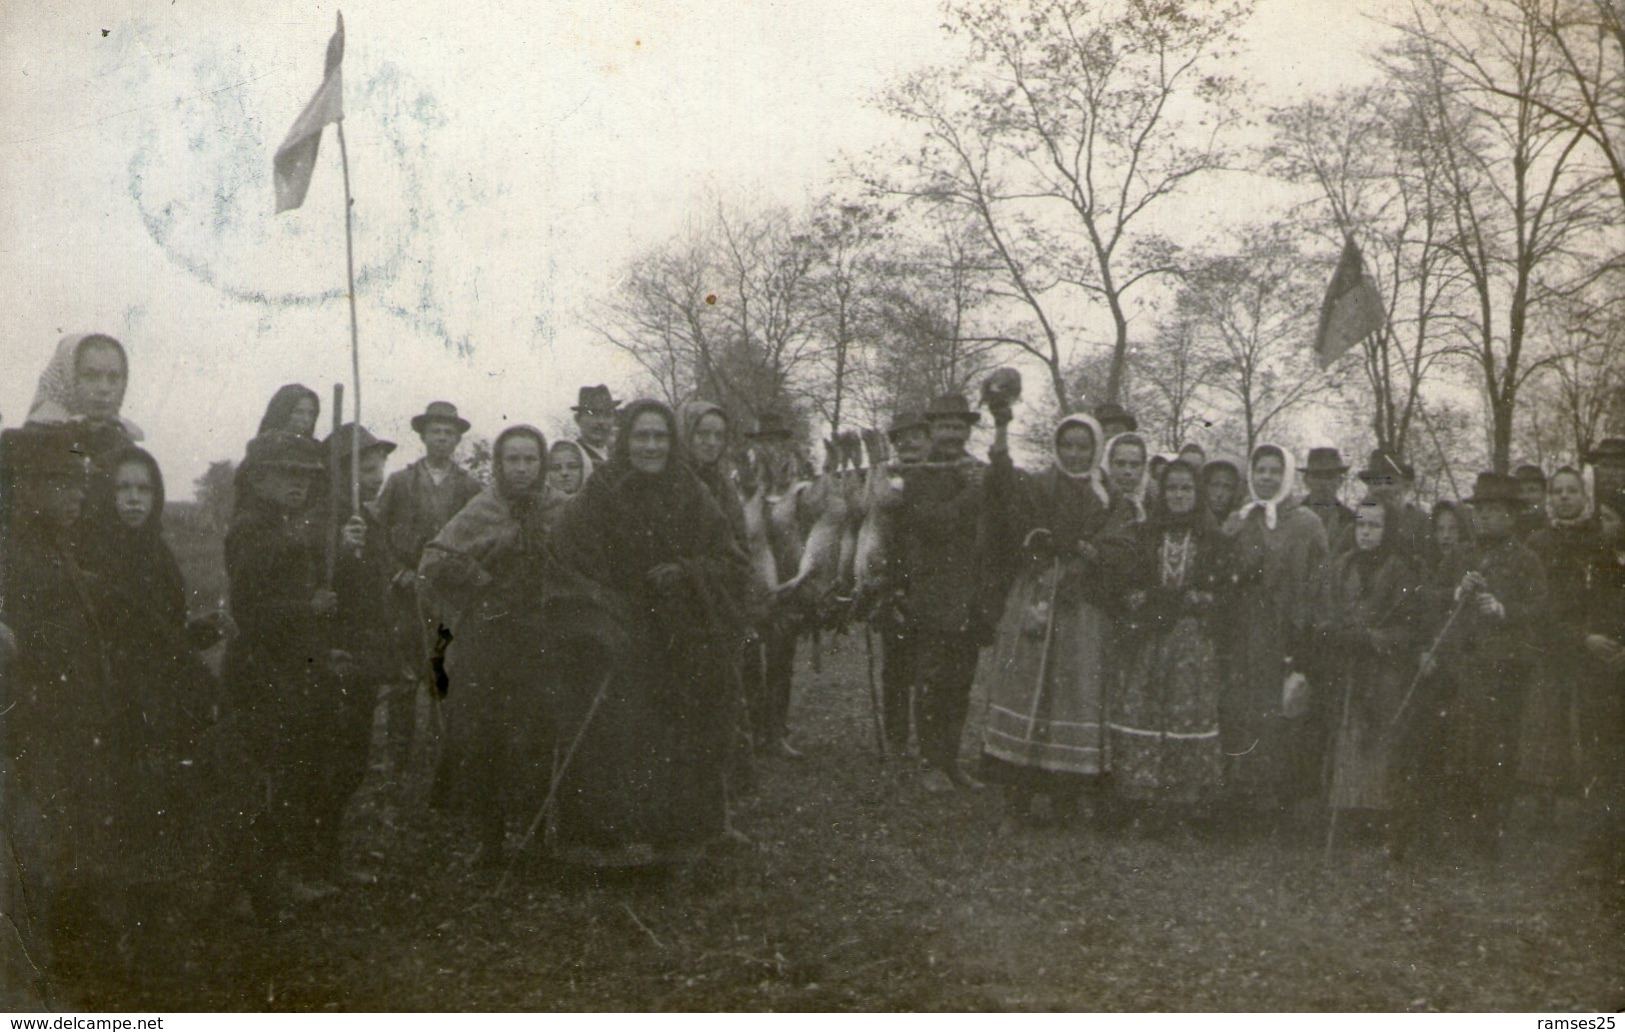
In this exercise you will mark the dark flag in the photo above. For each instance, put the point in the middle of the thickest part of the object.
(1353, 309)
(296, 158)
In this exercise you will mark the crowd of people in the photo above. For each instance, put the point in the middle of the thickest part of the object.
(605, 627)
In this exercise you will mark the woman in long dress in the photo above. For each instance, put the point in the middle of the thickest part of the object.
(1374, 630)
(1281, 566)
(1044, 674)
(1163, 728)
(483, 577)
(643, 630)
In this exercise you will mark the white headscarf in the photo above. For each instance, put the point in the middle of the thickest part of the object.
(1271, 505)
(1096, 475)
(53, 398)
(1138, 497)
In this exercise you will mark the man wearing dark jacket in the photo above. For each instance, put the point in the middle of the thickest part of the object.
(1324, 474)
(941, 521)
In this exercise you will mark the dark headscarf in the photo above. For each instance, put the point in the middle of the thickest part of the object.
(516, 499)
(1391, 535)
(134, 563)
(1198, 519)
(620, 457)
(283, 402)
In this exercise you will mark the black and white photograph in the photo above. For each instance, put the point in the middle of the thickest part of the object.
(1108, 506)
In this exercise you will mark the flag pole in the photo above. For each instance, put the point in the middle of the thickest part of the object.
(355, 343)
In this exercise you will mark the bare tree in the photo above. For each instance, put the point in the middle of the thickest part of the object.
(1253, 311)
(1071, 123)
(1364, 153)
(1525, 218)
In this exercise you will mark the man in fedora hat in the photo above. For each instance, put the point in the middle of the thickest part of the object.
(1501, 592)
(1388, 478)
(1323, 473)
(910, 436)
(1114, 419)
(1607, 461)
(415, 504)
(1532, 497)
(939, 522)
(594, 410)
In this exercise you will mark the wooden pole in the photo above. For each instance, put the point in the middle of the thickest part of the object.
(334, 486)
(355, 340)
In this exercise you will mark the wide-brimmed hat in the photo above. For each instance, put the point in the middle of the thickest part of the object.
(1324, 460)
(278, 449)
(1530, 472)
(339, 445)
(1112, 412)
(952, 406)
(1608, 449)
(595, 399)
(908, 419)
(1495, 487)
(771, 426)
(44, 451)
(441, 412)
(1384, 465)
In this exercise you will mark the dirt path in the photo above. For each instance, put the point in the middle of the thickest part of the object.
(865, 892)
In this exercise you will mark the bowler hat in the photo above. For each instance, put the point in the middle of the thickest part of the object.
(278, 449)
(1112, 412)
(339, 444)
(1324, 460)
(952, 406)
(1382, 465)
(595, 399)
(1610, 449)
(441, 412)
(771, 426)
(1495, 487)
(908, 419)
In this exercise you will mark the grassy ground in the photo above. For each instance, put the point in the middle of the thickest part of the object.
(865, 892)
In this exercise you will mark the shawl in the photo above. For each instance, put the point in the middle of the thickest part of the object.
(625, 522)
(1198, 519)
(499, 522)
(1137, 498)
(53, 398)
(134, 565)
(1097, 473)
(282, 405)
(1270, 506)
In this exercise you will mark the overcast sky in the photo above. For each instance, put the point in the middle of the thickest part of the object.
(507, 162)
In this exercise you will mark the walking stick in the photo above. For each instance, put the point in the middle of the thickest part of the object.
(558, 779)
(1342, 731)
(1461, 604)
(1043, 657)
(874, 694)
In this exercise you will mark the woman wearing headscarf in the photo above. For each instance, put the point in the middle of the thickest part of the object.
(644, 632)
(1271, 740)
(705, 429)
(1044, 674)
(1163, 729)
(483, 577)
(1128, 477)
(1571, 715)
(141, 601)
(1372, 626)
(1221, 485)
(293, 409)
(568, 467)
(84, 384)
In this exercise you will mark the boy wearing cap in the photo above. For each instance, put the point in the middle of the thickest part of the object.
(281, 674)
(1491, 648)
